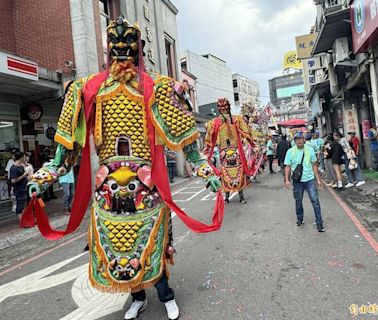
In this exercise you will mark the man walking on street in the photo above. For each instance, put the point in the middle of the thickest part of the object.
(270, 154)
(19, 179)
(282, 148)
(301, 155)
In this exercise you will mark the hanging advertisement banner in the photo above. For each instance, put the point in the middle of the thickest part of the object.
(305, 45)
(291, 61)
(365, 128)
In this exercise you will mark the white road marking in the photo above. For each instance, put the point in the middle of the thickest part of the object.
(179, 239)
(39, 280)
(233, 195)
(93, 304)
(187, 192)
(193, 196)
(209, 197)
(173, 214)
(185, 188)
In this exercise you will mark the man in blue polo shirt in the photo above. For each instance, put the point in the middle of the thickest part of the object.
(310, 172)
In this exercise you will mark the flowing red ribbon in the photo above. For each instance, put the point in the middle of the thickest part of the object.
(217, 125)
(160, 177)
(83, 191)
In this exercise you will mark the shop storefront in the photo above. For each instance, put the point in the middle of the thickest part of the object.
(10, 137)
(29, 110)
(38, 133)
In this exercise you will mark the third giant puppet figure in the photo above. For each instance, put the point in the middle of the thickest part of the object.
(228, 133)
(129, 117)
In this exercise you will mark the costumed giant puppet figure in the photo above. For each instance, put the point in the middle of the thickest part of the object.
(228, 132)
(127, 117)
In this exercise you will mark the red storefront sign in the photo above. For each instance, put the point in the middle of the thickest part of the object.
(11, 65)
(22, 66)
(364, 18)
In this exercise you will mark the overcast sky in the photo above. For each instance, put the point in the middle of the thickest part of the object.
(251, 35)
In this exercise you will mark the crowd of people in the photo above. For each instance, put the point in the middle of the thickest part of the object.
(19, 171)
(336, 154)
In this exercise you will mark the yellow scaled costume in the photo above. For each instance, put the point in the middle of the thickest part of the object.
(130, 220)
(225, 132)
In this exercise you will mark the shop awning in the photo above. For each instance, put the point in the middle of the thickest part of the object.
(292, 123)
(22, 77)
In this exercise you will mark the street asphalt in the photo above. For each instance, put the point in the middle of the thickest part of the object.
(260, 265)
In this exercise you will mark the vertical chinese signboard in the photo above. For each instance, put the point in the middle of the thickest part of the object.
(305, 44)
(364, 18)
(351, 122)
(149, 36)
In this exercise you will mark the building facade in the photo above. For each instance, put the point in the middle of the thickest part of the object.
(67, 41)
(157, 19)
(214, 78)
(343, 95)
(283, 88)
(245, 90)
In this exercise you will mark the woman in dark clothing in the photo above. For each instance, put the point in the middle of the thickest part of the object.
(336, 154)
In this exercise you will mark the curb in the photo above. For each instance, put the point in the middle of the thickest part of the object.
(362, 192)
(20, 235)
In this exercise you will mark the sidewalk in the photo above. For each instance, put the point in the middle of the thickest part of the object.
(364, 200)
(11, 234)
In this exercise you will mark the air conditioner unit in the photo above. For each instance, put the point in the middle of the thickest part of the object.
(319, 75)
(340, 51)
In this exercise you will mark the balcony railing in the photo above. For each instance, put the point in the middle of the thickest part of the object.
(328, 6)
(329, 3)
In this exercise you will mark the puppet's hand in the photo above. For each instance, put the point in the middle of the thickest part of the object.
(214, 183)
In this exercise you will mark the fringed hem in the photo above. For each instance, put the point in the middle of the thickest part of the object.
(122, 288)
(132, 285)
(170, 144)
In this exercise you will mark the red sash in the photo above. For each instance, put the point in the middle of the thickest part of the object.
(83, 191)
(160, 177)
(217, 125)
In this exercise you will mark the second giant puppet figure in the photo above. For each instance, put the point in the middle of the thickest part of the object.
(228, 133)
(130, 117)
